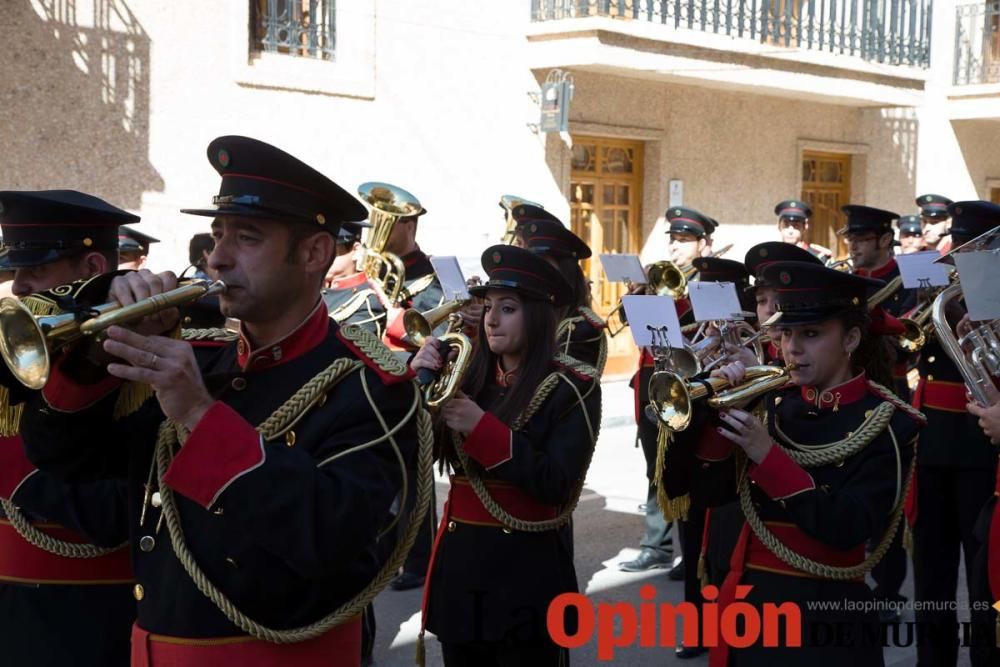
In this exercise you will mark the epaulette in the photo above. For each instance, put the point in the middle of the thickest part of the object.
(566, 327)
(10, 415)
(369, 349)
(593, 318)
(583, 371)
(417, 286)
(348, 308)
(213, 335)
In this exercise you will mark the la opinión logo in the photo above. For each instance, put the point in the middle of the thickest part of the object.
(620, 624)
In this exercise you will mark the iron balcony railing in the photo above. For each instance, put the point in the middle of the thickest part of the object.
(296, 27)
(893, 32)
(977, 43)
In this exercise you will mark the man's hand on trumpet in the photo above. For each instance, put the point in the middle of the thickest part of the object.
(989, 420)
(743, 428)
(166, 364)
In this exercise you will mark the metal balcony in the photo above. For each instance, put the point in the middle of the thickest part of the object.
(977, 44)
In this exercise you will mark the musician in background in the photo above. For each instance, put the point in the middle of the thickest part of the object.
(203, 313)
(133, 248)
(349, 294)
(935, 219)
(911, 238)
(688, 230)
(57, 609)
(793, 225)
(580, 331)
(956, 475)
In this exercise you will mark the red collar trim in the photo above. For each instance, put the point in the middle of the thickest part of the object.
(505, 378)
(881, 271)
(310, 333)
(849, 392)
(413, 257)
(356, 280)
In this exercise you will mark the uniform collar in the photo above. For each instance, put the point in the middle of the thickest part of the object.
(849, 392)
(504, 378)
(889, 268)
(412, 258)
(303, 338)
(356, 280)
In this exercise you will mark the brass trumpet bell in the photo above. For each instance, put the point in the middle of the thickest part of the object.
(418, 328)
(27, 341)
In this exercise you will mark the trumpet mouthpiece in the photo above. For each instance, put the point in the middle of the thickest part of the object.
(793, 367)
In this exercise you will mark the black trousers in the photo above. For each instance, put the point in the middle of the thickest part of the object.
(948, 504)
(504, 654)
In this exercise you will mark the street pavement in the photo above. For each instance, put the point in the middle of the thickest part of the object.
(607, 528)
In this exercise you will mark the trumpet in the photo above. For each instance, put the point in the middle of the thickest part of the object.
(418, 328)
(976, 354)
(384, 269)
(672, 397)
(664, 278)
(27, 342)
(885, 292)
(710, 351)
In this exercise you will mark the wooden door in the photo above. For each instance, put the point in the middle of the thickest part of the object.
(826, 186)
(605, 196)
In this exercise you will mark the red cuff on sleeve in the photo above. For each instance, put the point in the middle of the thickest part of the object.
(491, 442)
(14, 466)
(779, 476)
(64, 394)
(221, 448)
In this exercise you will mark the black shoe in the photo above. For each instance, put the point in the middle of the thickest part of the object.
(406, 581)
(676, 572)
(687, 652)
(647, 559)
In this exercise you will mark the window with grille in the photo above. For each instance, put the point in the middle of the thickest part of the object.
(303, 28)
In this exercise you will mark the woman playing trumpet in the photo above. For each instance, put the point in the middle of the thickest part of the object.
(523, 434)
(821, 473)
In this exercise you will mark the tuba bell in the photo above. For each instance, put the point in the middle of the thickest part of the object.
(976, 354)
(389, 203)
(27, 342)
(419, 327)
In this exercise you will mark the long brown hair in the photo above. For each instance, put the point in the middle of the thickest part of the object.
(539, 320)
(874, 354)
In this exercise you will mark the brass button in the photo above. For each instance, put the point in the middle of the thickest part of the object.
(507, 531)
(147, 543)
(239, 383)
(868, 413)
(217, 511)
(290, 438)
(231, 562)
(930, 360)
(777, 400)
(451, 526)
(930, 378)
(138, 592)
(156, 500)
(782, 503)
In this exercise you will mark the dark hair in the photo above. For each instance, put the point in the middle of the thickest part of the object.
(299, 232)
(197, 246)
(570, 269)
(540, 323)
(874, 354)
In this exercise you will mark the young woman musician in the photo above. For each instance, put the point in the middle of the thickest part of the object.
(823, 472)
(523, 433)
(580, 332)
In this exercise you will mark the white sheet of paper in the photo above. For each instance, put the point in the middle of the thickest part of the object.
(620, 268)
(920, 270)
(449, 273)
(645, 311)
(714, 301)
(979, 273)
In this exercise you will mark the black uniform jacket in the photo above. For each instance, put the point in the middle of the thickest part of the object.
(353, 300)
(285, 538)
(581, 336)
(826, 512)
(422, 292)
(491, 584)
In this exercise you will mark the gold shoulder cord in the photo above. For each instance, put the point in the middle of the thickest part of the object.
(312, 393)
(818, 455)
(547, 386)
(351, 306)
(417, 286)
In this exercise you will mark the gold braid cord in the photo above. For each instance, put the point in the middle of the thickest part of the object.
(351, 306)
(374, 349)
(547, 386)
(672, 508)
(37, 538)
(818, 455)
(282, 419)
(219, 334)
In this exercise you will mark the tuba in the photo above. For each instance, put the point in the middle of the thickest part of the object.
(27, 342)
(419, 326)
(389, 203)
(508, 203)
(976, 354)
(672, 397)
